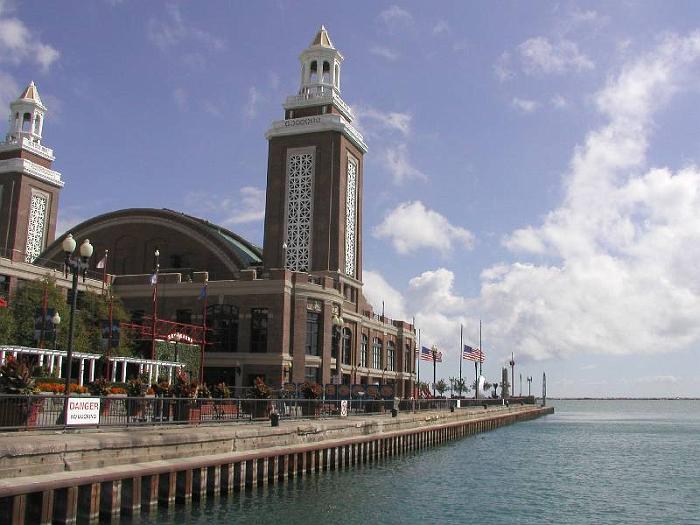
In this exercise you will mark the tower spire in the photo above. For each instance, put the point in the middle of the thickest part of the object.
(27, 116)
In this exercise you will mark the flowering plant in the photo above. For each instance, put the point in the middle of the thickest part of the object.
(260, 390)
(311, 390)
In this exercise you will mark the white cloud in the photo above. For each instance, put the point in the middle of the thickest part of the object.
(180, 98)
(441, 27)
(620, 273)
(559, 102)
(368, 117)
(251, 106)
(394, 16)
(384, 52)
(9, 89)
(539, 55)
(248, 206)
(502, 68)
(171, 30)
(376, 290)
(412, 227)
(524, 105)
(18, 43)
(625, 241)
(395, 159)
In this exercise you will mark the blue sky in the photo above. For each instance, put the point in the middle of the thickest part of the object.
(530, 164)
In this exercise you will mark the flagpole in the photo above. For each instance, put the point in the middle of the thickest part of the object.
(434, 351)
(461, 356)
(204, 332)
(109, 341)
(420, 349)
(155, 304)
(104, 271)
(480, 350)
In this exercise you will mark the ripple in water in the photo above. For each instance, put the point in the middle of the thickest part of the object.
(600, 462)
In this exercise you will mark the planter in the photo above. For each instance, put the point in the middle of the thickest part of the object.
(20, 412)
(311, 407)
(188, 411)
(225, 409)
(258, 408)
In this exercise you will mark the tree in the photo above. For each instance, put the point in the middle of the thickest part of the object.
(461, 387)
(441, 387)
(18, 320)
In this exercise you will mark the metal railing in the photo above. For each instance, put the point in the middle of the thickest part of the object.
(35, 412)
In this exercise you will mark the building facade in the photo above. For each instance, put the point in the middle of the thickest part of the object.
(294, 310)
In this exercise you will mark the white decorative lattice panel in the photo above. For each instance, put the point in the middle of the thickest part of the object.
(350, 218)
(300, 172)
(35, 228)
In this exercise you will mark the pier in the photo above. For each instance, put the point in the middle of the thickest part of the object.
(101, 475)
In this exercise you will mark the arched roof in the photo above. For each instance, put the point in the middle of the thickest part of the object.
(131, 235)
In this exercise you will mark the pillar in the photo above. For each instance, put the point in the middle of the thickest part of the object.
(123, 371)
(65, 506)
(91, 370)
(199, 484)
(81, 372)
(89, 502)
(40, 508)
(214, 480)
(131, 496)
(167, 483)
(111, 499)
(149, 491)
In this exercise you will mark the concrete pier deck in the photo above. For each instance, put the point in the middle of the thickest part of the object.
(55, 477)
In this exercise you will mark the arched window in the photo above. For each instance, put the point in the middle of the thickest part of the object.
(390, 356)
(336, 77)
(16, 121)
(313, 76)
(363, 351)
(376, 353)
(313, 321)
(37, 125)
(27, 122)
(326, 78)
(347, 345)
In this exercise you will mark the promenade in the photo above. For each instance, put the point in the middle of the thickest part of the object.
(54, 477)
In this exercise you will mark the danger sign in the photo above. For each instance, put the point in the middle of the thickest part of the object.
(83, 411)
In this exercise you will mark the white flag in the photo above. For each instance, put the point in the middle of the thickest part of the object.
(101, 263)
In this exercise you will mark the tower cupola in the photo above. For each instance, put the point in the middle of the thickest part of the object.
(27, 116)
(320, 66)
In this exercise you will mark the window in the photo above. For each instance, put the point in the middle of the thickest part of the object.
(347, 346)
(311, 374)
(183, 316)
(222, 320)
(363, 351)
(37, 125)
(258, 330)
(27, 122)
(326, 79)
(312, 324)
(4, 286)
(350, 217)
(390, 356)
(313, 76)
(376, 353)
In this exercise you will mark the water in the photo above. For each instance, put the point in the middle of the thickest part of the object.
(592, 462)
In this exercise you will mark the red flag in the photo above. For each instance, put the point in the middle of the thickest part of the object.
(3, 302)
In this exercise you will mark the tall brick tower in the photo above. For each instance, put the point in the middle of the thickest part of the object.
(313, 214)
(28, 186)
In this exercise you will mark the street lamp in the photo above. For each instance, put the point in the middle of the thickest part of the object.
(55, 321)
(338, 324)
(77, 266)
(529, 382)
(512, 374)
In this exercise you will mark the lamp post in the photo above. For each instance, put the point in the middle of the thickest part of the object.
(529, 382)
(434, 351)
(338, 324)
(77, 265)
(55, 321)
(512, 374)
(154, 283)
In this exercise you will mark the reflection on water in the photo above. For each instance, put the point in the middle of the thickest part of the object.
(591, 462)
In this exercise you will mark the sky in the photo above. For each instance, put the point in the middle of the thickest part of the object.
(532, 165)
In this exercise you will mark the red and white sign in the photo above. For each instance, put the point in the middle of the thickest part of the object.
(83, 411)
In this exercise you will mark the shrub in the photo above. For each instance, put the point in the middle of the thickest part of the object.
(99, 387)
(260, 390)
(311, 390)
(15, 378)
(221, 391)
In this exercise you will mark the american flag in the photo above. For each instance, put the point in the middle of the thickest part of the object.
(426, 354)
(473, 354)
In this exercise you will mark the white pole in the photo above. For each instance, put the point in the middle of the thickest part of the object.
(92, 370)
(114, 370)
(124, 371)
(81, 372)
(60, 365)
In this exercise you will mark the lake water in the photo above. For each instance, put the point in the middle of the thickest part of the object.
(592, 462)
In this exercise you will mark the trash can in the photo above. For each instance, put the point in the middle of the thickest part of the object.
(394, 412)
(274, 419)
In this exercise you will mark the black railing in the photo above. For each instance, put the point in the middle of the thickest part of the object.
(29, 412)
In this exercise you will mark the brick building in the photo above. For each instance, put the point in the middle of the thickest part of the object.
(293, 311)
